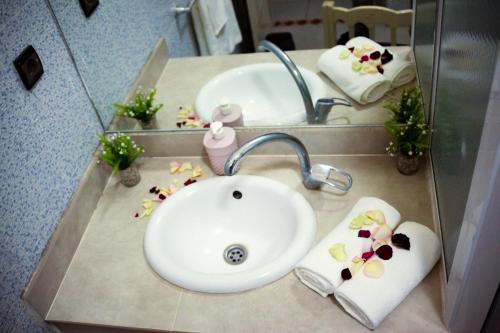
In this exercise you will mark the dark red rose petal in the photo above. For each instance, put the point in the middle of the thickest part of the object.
(374, 55)
(184, 122)
(162, 196)
(351, 49)
(192, 118)
(206, 125)
(179, 124)
(384, 252)
(189, 181)
(380, 69)
(346, 274)
(157, 191)
(136, 215)
(401, 240)
(364, 233)
(367, 255)
(152, 189)
(364, 58)
(386, 57)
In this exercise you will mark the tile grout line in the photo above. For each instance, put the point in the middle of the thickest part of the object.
(177, 310)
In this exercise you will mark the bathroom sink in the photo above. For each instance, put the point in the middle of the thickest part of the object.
(229, 234)
(266, 92)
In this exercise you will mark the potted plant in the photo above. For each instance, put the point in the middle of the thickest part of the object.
(408, 130)
(141, 108)
(120, 152)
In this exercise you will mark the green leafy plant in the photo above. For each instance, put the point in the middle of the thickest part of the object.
(141, 108)
(407, 127)
(119, 151)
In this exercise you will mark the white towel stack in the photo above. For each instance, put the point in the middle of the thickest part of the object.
(371, 300)
(369, 87)
(399, 71)
(363, 88)
(318, 270)
(370, 297)
(216, 27)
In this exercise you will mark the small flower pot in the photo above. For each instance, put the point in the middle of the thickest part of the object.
(149, 124)
(130, 176)
(408, 165)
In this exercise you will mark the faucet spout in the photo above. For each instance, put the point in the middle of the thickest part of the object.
(310, 180)
(315, 114)
(294, 71)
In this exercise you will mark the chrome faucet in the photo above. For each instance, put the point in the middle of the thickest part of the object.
(312, 177)
(317, 114)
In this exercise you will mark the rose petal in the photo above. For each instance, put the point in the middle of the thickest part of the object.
(384, 252)
(386, 57)
(337, 252)
(378, 243)
(375, 55)
(354, 268)
(344, 55)
(367, 255)
(152, 189)
(346, 274)
(364, 233)
(373, 269)
(382, 233)
(401, 241)
(376, 216)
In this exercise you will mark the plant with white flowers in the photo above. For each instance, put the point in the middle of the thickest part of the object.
(119, 151)
(407, 127)
(141, 108)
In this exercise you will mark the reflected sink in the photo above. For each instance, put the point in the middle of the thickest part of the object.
(229, 234)
(266, 92)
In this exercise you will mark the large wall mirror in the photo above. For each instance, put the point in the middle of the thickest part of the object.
(129, 45)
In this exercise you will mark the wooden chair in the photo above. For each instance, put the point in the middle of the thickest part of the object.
(370, 16)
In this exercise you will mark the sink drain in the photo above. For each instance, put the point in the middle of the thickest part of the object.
(235, 254)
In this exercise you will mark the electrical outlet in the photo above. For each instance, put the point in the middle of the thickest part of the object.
(29, 66)
(89, 6)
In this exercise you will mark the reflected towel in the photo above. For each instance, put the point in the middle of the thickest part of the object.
(363, 88)
(318, 270)
(370, 300)
(399, 71)
(216, 27)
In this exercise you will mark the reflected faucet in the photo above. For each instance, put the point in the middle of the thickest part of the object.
(312, 177)
(317, 114)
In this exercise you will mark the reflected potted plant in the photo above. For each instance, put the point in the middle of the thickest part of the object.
(141, 108)
(120, 152)
(408, 130)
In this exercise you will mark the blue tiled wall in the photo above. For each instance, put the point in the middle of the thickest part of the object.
(113, 44)
(47, 137)
(48, 134)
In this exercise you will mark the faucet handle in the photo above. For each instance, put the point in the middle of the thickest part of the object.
(323, 173)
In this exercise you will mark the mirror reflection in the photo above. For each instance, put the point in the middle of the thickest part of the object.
(167, 64)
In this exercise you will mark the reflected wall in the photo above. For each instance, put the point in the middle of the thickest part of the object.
(111, 46)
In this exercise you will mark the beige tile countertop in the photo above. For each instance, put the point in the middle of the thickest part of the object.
(110, 284)
(182, 78)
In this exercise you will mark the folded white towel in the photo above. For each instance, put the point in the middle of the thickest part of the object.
(216, 27)
(322, 273)
(363, 88)
(217, 15)
(399, 71)
(370, 300)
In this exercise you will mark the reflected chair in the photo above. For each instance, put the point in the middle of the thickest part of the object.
(370, 16)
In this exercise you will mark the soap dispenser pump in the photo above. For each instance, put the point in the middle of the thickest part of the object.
(229, 114)
(219, 142)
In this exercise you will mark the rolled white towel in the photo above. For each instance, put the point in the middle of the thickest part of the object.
(363, 88)
(322, 273)
(370, 300)
(399, 71)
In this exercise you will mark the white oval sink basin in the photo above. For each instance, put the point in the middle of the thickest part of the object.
(266, 92)
(188, 234)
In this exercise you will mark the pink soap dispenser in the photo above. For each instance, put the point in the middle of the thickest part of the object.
(219, 142)
(230, 115)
